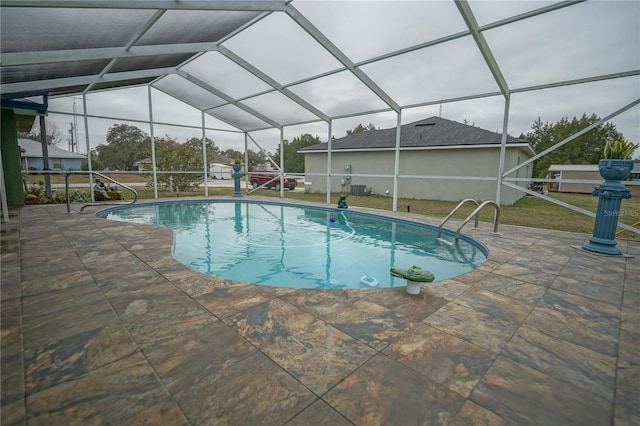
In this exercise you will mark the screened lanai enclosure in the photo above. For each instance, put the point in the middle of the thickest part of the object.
(252, 74)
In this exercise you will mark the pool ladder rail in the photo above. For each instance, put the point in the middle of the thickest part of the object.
(107, 203)
(475, 213)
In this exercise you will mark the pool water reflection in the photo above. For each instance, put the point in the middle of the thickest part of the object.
(301, 246)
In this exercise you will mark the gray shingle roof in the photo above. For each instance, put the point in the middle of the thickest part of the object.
(430, 132)
(34, 149)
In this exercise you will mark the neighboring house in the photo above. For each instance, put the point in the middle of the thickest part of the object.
(143, 165)
(222, 159)
(59, 159)
(431, 147)
(582, 172)
(635, 173)
(573, 171)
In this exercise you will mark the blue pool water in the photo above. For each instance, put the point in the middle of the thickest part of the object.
(299, 246)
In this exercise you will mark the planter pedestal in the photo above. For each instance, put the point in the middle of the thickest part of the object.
(611, 193)
(236, 180)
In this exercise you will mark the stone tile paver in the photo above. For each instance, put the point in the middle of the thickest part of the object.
(97, 314)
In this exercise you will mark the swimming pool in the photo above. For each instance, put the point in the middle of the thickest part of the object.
(300, 246)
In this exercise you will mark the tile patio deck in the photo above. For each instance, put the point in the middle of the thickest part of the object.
(101, 326)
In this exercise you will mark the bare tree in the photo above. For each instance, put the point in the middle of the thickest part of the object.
(53, 132)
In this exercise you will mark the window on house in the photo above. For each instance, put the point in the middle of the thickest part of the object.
(57, 163)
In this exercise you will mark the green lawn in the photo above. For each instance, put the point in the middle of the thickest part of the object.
(528, 211)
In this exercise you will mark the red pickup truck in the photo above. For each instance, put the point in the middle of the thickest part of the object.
(259, 177)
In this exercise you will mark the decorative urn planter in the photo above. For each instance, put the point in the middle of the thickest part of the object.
(615, 170)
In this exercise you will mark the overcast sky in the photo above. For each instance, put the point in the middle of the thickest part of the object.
(592, 38)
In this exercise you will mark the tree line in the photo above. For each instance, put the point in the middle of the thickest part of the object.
(127, 146)
(585, 149)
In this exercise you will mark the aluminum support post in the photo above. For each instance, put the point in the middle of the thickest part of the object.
(153, 146)
(329, 163)
(503, 150)
(396, 166)
(281, 162)
(86, 137)
(204, 157)
(246, 163)
(3, 193)
(45, 156)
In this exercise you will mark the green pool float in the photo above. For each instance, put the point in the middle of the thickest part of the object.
(415, 274)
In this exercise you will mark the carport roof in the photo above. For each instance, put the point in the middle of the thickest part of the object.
(227, 59)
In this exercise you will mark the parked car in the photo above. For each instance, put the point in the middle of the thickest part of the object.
(261, 176)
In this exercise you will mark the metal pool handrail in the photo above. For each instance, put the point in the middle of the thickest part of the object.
(66, 186)
(476, 212)
(463, 202)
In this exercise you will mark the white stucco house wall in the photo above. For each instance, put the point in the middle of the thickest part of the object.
(59, 159)
(434, 147)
